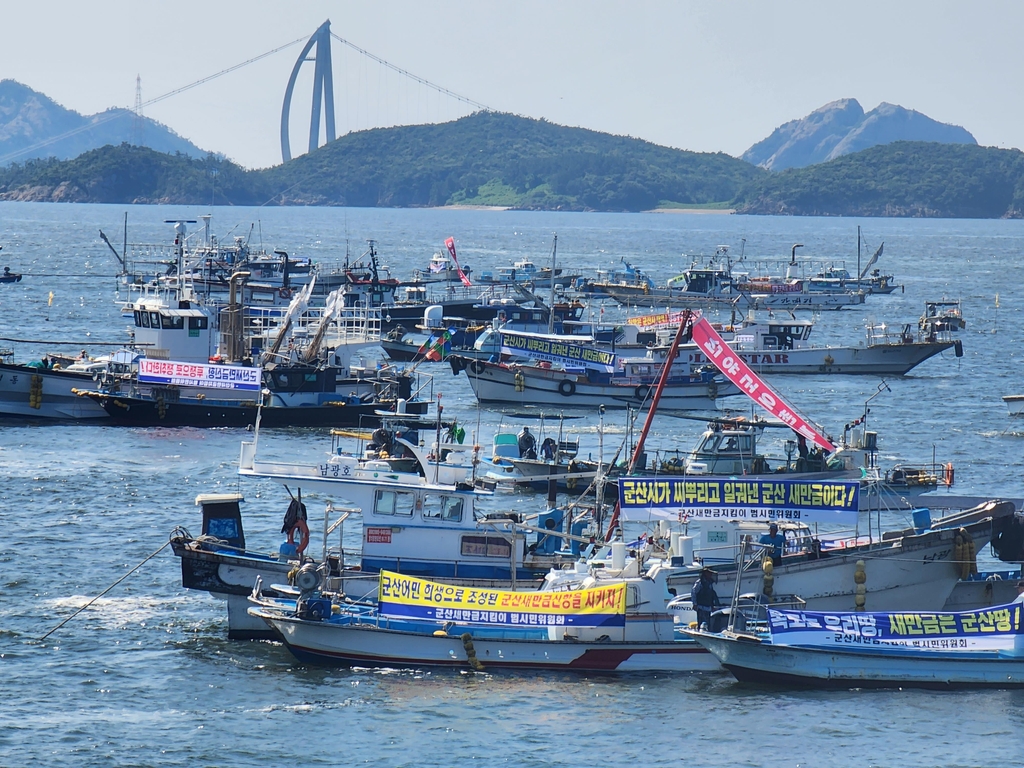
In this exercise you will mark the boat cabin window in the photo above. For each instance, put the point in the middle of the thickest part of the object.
(154, 319)
(172, 323)
(393, 504)
(198, 323)
(141, 319)
(446, 508)
(486, 546)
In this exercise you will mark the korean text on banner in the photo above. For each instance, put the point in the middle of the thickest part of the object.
(669, 498)
(413, 598)
(450, 245)
(660, 321)
(996, 628)
(740, 374)
(199, 375)
(552, 350)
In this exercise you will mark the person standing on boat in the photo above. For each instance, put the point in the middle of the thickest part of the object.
(704, 598)
(527, 444)
(775, 543)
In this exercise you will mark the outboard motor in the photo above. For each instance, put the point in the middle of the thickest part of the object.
(311, 605)
(1008, 538)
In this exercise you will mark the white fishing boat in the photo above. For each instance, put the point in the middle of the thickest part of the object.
(979, 648)
(782, 346)
(408, 525)
(558, 371)
(584, 620)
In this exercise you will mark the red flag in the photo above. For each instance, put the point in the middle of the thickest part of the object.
(450, 243)
(739, 373)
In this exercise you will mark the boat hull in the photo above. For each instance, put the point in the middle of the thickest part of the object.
(57, 400)
(494, 383)
(368, 645)
(138, 412)
(914, 571)
(760, 662)
(660, 298)
(877, 359)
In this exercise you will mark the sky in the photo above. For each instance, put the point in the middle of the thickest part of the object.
(702, 76)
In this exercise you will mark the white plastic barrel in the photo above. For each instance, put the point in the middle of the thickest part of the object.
(618, 555)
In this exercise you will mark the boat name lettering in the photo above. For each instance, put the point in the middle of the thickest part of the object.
(750, 358)
(935, 557)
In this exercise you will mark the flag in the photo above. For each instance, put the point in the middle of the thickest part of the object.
(872, 261)
(740, 374)
(437, 348)
(436, 266)
(450, 243)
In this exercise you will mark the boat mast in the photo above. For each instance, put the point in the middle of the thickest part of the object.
(551, 308)
(858, 255)
(662, 381)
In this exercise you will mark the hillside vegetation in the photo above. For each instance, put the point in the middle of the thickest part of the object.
(483, 159)
(899, 179)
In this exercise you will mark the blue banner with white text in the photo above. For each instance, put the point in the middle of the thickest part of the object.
(708, 498)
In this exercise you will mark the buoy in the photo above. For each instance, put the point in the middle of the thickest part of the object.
(474, 662)
(860, 576)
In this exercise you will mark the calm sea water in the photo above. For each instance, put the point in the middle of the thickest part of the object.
(146, 676)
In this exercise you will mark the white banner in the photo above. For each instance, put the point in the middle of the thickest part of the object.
(199, 375)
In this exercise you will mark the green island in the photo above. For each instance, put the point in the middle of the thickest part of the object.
(505, 161)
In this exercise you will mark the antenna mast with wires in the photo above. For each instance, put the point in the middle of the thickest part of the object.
(138, 126)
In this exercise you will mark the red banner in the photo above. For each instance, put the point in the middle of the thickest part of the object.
(450, 243)
(739, 373)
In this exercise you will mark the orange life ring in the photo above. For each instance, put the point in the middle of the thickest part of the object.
(285, 293)
(948, 474)
(303, 529)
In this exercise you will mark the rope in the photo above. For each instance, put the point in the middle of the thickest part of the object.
(86, 343)
(113, 115)
(411, 76)
(101, 594)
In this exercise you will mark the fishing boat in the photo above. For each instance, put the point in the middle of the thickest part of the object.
(525, 271)
(440, 269)
(714, 283)
(981, 648)
(782, 346)
(10, 277)
(39, 390)
(944, 316)
(1015, 404)
(588, 620)
(557, 371)
(412, 521)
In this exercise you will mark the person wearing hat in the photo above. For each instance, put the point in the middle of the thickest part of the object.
(775, 541)
(704, 598)
(1020, 593)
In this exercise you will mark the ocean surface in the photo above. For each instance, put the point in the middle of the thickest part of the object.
(146, 675)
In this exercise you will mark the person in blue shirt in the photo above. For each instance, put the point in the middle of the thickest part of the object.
(777, 541)
(704, 598)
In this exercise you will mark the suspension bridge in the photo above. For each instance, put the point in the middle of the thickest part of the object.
(374, 93)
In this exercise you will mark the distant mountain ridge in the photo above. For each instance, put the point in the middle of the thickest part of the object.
(29, 118)
(842, 128)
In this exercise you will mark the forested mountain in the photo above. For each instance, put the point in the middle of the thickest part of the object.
(498, 159)
(907, 178)
(483, 159)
